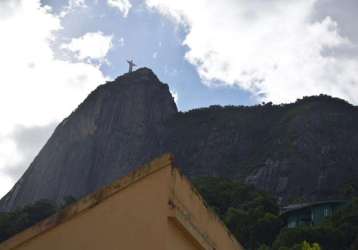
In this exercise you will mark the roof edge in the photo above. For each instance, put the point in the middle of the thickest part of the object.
(296, 207)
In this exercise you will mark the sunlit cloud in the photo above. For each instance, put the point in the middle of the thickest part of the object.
(123, 6)
(73, 5)
(274, 49)
(90, 46)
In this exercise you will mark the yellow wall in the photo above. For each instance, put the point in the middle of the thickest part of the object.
(194, 217)
(153, 208)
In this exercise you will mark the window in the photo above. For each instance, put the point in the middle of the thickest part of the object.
(291, 224)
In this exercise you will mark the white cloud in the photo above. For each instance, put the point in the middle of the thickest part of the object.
(36, 89)
(23, 144)
(122, 5)
(90, 46)
(120, 42)
(175, 96)
(272, 48)
(77, 3)
(72, 5)
(155, 55)
(7, 7)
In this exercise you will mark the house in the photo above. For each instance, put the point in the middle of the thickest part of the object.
(154, 207)
(310, 213)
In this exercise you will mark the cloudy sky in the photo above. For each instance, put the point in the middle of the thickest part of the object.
(54, 52)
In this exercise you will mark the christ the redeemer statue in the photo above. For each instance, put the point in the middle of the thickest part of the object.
(131, 65)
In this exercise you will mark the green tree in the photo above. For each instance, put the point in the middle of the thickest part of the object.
(264, 247)
(251, 215)
(308, 246)
(14, 222)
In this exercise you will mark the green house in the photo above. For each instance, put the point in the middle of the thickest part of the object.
(309, 213)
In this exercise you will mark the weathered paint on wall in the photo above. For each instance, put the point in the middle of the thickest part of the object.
(155, 207)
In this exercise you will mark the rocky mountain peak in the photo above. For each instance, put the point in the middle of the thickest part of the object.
(141, 73)
(115, 129)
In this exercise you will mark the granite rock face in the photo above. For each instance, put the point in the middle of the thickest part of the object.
(306, 150)
(116, 128)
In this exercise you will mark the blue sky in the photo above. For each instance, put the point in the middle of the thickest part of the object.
(152, 41)
(227, 52)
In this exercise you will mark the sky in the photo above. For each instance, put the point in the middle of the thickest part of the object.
(227, 52)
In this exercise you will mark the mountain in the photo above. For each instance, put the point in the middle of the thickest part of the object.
(116, 128)
(307, 150)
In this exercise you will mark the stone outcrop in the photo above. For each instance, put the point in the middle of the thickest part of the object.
(306, 150)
